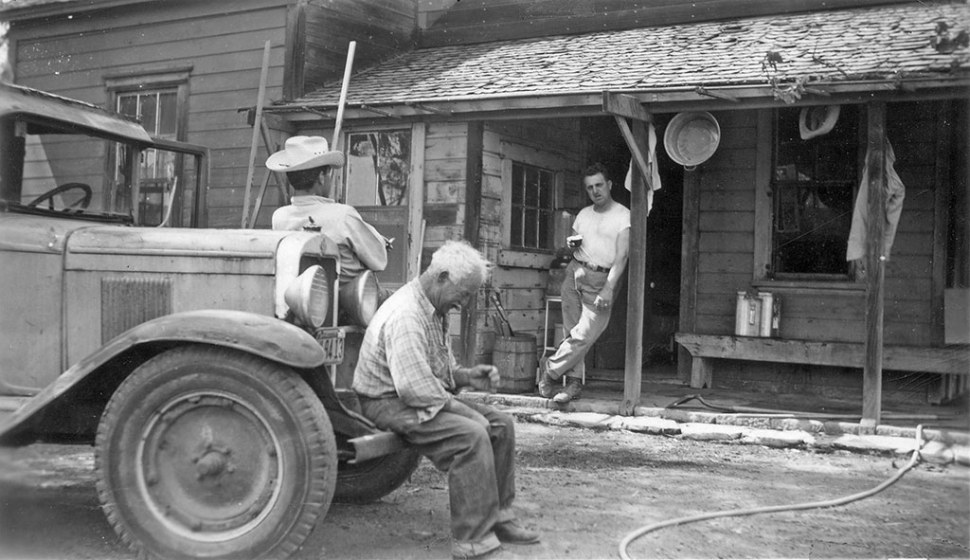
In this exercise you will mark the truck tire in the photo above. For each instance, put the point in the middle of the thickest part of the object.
(215, 453)
(374, 479)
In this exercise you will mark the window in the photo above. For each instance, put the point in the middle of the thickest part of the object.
(533, 199)
(378, 168)
(157, 101)
(813, 186)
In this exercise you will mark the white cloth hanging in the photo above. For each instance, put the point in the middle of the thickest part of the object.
(651, 165)
(895, 192)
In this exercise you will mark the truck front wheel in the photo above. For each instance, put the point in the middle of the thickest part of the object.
(210, 452)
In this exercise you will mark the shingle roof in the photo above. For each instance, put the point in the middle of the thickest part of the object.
(858, 44)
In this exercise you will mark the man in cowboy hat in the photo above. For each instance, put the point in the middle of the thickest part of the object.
(307, 160)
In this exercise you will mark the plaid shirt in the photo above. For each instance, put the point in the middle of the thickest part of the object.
(406, 354)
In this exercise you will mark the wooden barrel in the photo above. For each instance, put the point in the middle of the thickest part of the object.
(516, 360)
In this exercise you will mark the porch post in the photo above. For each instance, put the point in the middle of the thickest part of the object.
(875, 266)
(473, 220)
(635, 135)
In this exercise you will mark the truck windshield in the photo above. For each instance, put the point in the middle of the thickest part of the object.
(74, 173)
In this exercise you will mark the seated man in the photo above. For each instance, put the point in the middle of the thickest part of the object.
(307, 162)
(406, 378)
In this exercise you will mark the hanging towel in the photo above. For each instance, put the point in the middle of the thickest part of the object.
(895, 192)
(651, 165)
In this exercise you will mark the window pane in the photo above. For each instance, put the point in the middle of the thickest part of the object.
(128, 105)
(531, 186)
(149, 113)
(531, 228)
(545, 229)
(168, 115)
(546, 186)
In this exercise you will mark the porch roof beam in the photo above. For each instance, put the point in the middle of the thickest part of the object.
(501, 107)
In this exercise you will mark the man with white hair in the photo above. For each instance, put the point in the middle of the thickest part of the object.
(406, 380)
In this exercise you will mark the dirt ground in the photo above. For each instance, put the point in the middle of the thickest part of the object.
(584, 491)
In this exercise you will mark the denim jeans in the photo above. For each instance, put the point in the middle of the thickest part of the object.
(474, 444)
(583, 322)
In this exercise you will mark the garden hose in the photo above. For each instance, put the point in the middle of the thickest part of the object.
(774, 509)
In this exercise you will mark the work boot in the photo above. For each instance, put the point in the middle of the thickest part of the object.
(571, 392)
(546, 383)
(510, 532)
(467, 550)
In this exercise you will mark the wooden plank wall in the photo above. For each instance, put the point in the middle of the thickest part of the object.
(449, 22)
(726, 222)
(521, 276)
(727, 240)
(72, 57)
(382, 28)
(725, 263)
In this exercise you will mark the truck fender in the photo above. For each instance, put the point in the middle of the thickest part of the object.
(261, 335)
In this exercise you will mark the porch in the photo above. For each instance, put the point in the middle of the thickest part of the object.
(661, 388)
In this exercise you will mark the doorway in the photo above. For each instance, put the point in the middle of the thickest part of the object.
(605, 144)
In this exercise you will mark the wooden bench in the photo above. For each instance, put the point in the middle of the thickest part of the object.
(703, 347)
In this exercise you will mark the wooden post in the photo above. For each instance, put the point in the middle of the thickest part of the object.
(636, 138)
(622, 107)
(690, 241)
(254, 145)
(875, 266)
(473, 219)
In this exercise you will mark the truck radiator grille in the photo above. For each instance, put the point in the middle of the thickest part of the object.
(127, 302)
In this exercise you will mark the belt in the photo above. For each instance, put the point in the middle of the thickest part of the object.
(592, 267)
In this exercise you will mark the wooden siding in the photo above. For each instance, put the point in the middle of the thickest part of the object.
(726, 222)
(727, 240)
(382, 28)
(449, 22)
(521, 277)
(223, 49)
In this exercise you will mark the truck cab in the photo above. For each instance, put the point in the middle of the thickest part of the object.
(201, 363)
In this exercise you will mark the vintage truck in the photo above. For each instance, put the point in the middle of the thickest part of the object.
(210, 368)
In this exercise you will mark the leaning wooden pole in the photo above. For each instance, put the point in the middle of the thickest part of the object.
(254, 145)
(335, 140)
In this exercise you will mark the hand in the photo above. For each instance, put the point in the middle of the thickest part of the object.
(604, 299)
(483, 377)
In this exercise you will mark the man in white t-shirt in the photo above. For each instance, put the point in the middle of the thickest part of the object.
(601, 247)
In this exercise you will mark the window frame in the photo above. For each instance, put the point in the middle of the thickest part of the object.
(512, 153)
(763, 274)
(169, 79)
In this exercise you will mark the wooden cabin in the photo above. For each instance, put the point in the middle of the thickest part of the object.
(494, 120)
(474, 120)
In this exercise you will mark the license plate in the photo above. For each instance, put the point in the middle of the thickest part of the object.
(332, 342)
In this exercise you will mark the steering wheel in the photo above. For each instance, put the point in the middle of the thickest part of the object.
(81, 204)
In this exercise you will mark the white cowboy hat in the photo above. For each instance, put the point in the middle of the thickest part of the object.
(818, 120)
(304, 152)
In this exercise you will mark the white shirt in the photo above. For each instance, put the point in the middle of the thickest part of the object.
(599, 231)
